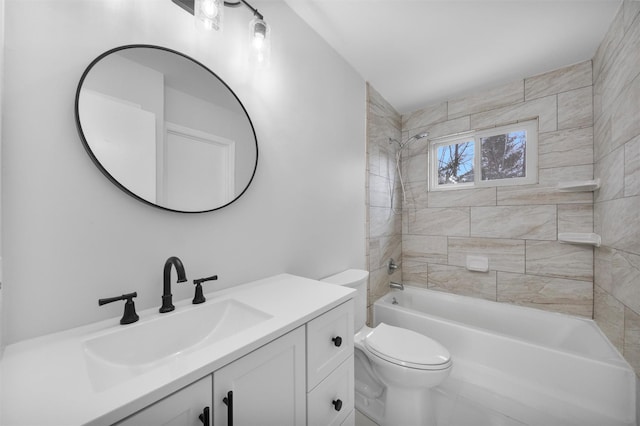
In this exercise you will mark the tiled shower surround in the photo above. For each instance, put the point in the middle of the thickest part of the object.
(589, 126)
(616, 76)
(516, 227)
(384, 221)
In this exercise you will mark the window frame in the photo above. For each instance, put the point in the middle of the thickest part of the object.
(531, 156)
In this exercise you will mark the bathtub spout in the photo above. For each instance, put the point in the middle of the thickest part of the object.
(398, 286)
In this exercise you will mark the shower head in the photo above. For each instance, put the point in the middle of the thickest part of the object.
(419, 136)
(398, 155)
(416, 137)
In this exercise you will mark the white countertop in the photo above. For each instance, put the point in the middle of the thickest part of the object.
(45, 381)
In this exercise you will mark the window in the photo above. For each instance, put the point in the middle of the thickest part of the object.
(505, 155)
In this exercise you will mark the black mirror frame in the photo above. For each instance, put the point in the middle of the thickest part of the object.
(113, 179)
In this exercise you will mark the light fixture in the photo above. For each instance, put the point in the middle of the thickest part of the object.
(260, 35)
(209, 13)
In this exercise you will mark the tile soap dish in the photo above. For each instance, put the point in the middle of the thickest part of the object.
(580, 238)
(477, 263)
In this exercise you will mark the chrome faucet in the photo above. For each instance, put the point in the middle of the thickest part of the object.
(398, 286)
(167, 301)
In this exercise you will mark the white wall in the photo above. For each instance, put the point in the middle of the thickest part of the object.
(71, 237)
(1, 102)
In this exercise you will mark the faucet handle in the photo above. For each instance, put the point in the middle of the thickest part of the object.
(199, 297)
(130, 315)
(391, 266)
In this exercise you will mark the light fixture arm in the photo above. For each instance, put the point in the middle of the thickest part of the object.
(243, 2)
(188, 6)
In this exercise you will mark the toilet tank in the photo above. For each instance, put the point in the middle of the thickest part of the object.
(356, 279)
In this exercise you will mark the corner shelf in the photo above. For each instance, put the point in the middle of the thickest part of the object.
(579, 186)
(580, 238)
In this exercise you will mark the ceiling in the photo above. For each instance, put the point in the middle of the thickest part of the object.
(419, 52)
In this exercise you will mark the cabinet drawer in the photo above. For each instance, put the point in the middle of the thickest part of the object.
(331, 402)
(329, 342)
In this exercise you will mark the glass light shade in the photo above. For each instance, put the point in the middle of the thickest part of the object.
(260, 35)
(208, 13)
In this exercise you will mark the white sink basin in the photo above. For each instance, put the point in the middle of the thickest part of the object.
(134, 349)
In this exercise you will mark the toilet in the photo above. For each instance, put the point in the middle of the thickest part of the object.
(395, 368)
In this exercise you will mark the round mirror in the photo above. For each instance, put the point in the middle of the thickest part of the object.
(165, 129)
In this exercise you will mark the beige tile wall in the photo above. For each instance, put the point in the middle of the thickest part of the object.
(515, 227)
(616, 90)
(384, 218)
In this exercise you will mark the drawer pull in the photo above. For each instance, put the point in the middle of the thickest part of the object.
(337, 404)
(204, 417)
(228, 400)
(337, 341)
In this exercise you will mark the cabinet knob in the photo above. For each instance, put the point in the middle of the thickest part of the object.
(337, 404)
(337, 341)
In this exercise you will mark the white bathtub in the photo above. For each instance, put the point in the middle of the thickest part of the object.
(557, 363)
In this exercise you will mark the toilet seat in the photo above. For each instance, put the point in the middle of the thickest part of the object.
(407, 348)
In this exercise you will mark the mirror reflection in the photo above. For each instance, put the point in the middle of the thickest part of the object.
(166, 129)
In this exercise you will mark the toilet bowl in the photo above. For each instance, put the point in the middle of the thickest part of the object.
(396, 368)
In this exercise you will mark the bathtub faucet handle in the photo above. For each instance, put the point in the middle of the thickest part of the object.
(392, 267)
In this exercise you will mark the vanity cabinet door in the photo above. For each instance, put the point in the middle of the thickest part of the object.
(183, 408)
(266, 387)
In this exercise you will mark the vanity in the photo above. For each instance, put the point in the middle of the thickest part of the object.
(277, 351)
(170, 133)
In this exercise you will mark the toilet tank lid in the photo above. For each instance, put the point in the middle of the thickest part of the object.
(346, 277)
